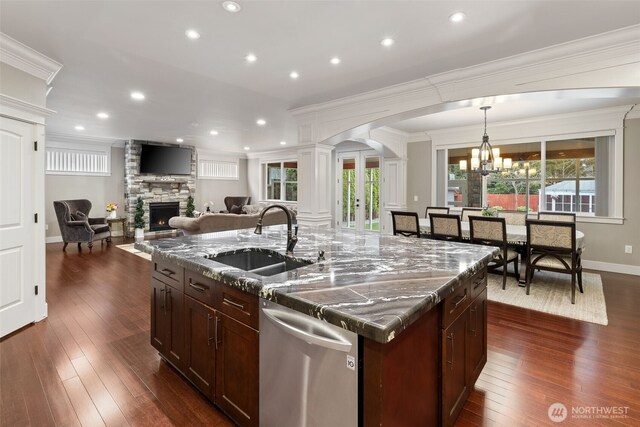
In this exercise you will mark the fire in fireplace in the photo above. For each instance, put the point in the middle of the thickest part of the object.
(159, 214)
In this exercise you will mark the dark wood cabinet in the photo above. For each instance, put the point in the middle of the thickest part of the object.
(455, 387)
(200, 345)
(167, 321)
(464, 344)
(477, 336)
(237, 370)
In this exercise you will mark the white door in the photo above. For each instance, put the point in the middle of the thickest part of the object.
(17, 288)
(358, 191)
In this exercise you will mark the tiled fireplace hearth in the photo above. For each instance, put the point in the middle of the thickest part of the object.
(155, 189)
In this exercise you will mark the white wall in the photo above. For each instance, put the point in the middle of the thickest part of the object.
(215, 190)
(100, 190)
(418, 176)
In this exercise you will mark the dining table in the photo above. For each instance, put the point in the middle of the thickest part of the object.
(516, 237)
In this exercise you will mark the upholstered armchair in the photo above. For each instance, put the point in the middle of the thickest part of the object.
(238, 202)
(77, 227)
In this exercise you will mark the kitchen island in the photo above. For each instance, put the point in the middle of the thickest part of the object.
(418, 305)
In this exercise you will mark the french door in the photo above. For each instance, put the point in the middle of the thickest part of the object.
(358, 191)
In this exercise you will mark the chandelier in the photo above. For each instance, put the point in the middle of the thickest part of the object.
(486, 159)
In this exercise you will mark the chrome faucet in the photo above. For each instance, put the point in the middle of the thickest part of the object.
(292, 238)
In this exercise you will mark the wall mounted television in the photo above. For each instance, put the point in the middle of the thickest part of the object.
(160, 159)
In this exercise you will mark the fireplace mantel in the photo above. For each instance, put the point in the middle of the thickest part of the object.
(165, 181)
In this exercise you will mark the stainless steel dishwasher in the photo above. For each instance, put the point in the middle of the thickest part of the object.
(308, 371)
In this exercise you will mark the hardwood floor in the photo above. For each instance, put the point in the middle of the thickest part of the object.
(90, 362)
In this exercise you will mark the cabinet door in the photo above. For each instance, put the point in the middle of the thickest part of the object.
(477, 334)
(199, 356)
(174, 339)
(454, 369)
(159, 325)
(237, 370)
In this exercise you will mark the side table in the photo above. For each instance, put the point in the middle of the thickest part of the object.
(122, 220)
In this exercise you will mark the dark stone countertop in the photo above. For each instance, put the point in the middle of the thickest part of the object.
(374, 285)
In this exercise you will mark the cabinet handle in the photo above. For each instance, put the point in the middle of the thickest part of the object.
(474, 310)
(459, 301)
(216, 332)
(235, 304)
(450, 362)
(198, 288)
(167, 272)
(477, 283)
(209, 317)
(167, 292)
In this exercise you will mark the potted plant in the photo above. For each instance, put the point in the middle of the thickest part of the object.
(190, 207)
(138, 219)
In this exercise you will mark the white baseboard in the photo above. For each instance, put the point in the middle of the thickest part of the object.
(53, 239)
(612, 267)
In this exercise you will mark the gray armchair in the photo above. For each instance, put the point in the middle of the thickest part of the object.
(238, 201)
(76, 226)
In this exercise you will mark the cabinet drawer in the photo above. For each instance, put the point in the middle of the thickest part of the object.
(478, 283)
(200, 287)
(455, 304)
(238, 305)
(170, 274)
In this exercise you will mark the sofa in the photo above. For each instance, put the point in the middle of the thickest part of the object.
(212, 222)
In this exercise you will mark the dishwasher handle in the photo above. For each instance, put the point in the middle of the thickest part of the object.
(279, 318)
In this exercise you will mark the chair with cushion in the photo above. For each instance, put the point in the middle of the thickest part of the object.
(493, 232)
(551, 245)
(557, 216)
(435, 210)
(513, 217)
(405, 223)
(467, 212)
(445, 227)
(234, 204)
(77, 227)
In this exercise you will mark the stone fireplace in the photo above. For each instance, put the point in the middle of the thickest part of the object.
(160, 213)
(155, 189)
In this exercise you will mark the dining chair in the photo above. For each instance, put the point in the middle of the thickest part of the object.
(557, 216)
(514, 217)
(435, 210)
(551, 245)
(492, 231)
(445, 227)
(405, 223)
(467, 212)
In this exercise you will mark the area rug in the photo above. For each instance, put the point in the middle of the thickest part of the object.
(130, 248)
(551, 293)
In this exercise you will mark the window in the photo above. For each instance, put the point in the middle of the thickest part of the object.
(77, 159)
(214, 166)
(570, 175)
(281, 179)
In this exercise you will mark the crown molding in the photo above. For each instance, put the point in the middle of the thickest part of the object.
(419, 137)
(26, 59)
(84, 139)
(633, 113)
(21, 110)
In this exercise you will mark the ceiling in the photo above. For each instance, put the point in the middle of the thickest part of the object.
(110, 48)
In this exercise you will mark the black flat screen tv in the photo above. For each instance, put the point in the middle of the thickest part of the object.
(159, 159)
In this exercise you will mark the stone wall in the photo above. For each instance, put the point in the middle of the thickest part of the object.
(154, 188)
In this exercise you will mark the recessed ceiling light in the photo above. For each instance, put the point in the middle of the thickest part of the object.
(246, 148)
(231, 6)
(102, 115)
(294, 75)
(283, 142)
(335, 60)
(261, 122)
(179, 140)
(457, 17)
(138, 96)
(213, 132)
(192, 34)
(387, 42)
(251, 58)
(79, 127)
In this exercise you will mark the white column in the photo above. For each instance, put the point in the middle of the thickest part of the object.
(315, 185)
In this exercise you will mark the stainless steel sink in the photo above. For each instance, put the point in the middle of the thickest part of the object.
(262, 262)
